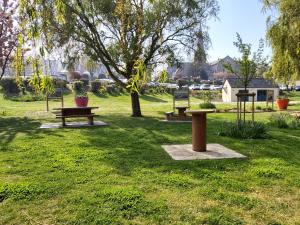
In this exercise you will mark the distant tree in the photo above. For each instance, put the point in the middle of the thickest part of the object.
(284, 37)
(8, 34)
(120, 33)
(248, 66)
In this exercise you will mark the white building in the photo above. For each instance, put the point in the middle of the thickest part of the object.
(261, 87)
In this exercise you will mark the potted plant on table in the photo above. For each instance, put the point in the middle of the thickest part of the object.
(81, 98)
(282, 102)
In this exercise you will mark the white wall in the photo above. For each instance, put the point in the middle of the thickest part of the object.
(230, 96)
(226, 92)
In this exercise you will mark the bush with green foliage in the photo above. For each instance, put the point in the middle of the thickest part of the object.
(10, 86)
(95, 86)
(182, 82)
(113, 89)
(79, 89)
(58, 83)
(207, 105)
(245, 130)
(27, 97)
(85, 82)
(284, 120)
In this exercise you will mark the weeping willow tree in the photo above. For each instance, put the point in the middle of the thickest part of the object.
(284, 37)
(120, 33)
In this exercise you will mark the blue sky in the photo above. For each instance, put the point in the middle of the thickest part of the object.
(242, 16)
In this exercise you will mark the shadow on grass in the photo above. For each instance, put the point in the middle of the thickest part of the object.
(10, 127)
(132, 144)
(152, 99)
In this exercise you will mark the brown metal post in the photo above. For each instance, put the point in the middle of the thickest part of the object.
(199, 132)
(47, 103)
(238, 111)
(253, 107)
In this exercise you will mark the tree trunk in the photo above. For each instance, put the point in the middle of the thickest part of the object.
(135, 104)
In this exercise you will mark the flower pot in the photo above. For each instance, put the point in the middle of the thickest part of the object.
(81, 101)
(282, 103)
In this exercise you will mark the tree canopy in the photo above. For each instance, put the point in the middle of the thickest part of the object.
(119, 33)
(8, 34)
(248, 66)
(284, 36)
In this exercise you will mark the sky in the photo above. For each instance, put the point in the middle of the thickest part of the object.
(236, 16)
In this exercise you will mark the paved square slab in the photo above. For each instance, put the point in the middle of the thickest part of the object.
(176, 121)
(72, 125)
(214, 151)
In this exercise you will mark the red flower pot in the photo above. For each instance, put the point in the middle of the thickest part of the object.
(81, 101)
(282, 103)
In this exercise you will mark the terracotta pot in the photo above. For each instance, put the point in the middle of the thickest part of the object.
(282, 103)
(81, 101)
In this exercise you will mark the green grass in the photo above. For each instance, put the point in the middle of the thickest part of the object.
(119, 174)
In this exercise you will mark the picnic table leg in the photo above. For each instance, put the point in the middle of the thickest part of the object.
(63, 121)
(91, 120)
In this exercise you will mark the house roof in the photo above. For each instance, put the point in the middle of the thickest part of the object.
(255, 83)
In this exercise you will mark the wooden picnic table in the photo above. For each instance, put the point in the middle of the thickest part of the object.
(74, 112)
(181, 110)
(199, 129)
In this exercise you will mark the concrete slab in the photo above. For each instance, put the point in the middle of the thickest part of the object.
(72, 125)
(214, 151)
(176, 121)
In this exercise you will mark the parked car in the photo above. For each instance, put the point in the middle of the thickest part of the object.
(205, 87)
(297, 88)
(195, 87)
(152, 84)
(216, 87)
(169, 85)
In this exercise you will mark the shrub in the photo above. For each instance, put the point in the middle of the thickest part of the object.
(95, 86)
(258, 107)
(28, 97)
(245, 130)
(207, 105)
(279, 120)
(181, 82)
(74, 75)
(60, 83)
(207, 96)
(170, 90)
(112, 89)
(27, 86)
(10, 86)
(78, 87)
(85, 82)
(284, 120)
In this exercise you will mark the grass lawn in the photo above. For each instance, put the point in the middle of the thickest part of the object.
(119, 174)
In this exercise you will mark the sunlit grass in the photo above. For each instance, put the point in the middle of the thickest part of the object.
(119, 174)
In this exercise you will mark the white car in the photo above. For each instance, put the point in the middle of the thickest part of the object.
(205, 87)
(216, 87)
(195, 87)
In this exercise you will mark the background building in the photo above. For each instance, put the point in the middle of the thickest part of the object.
(261, 87)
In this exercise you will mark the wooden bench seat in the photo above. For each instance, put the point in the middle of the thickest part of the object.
(169, 114)
(63, 113)
(74, 116)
